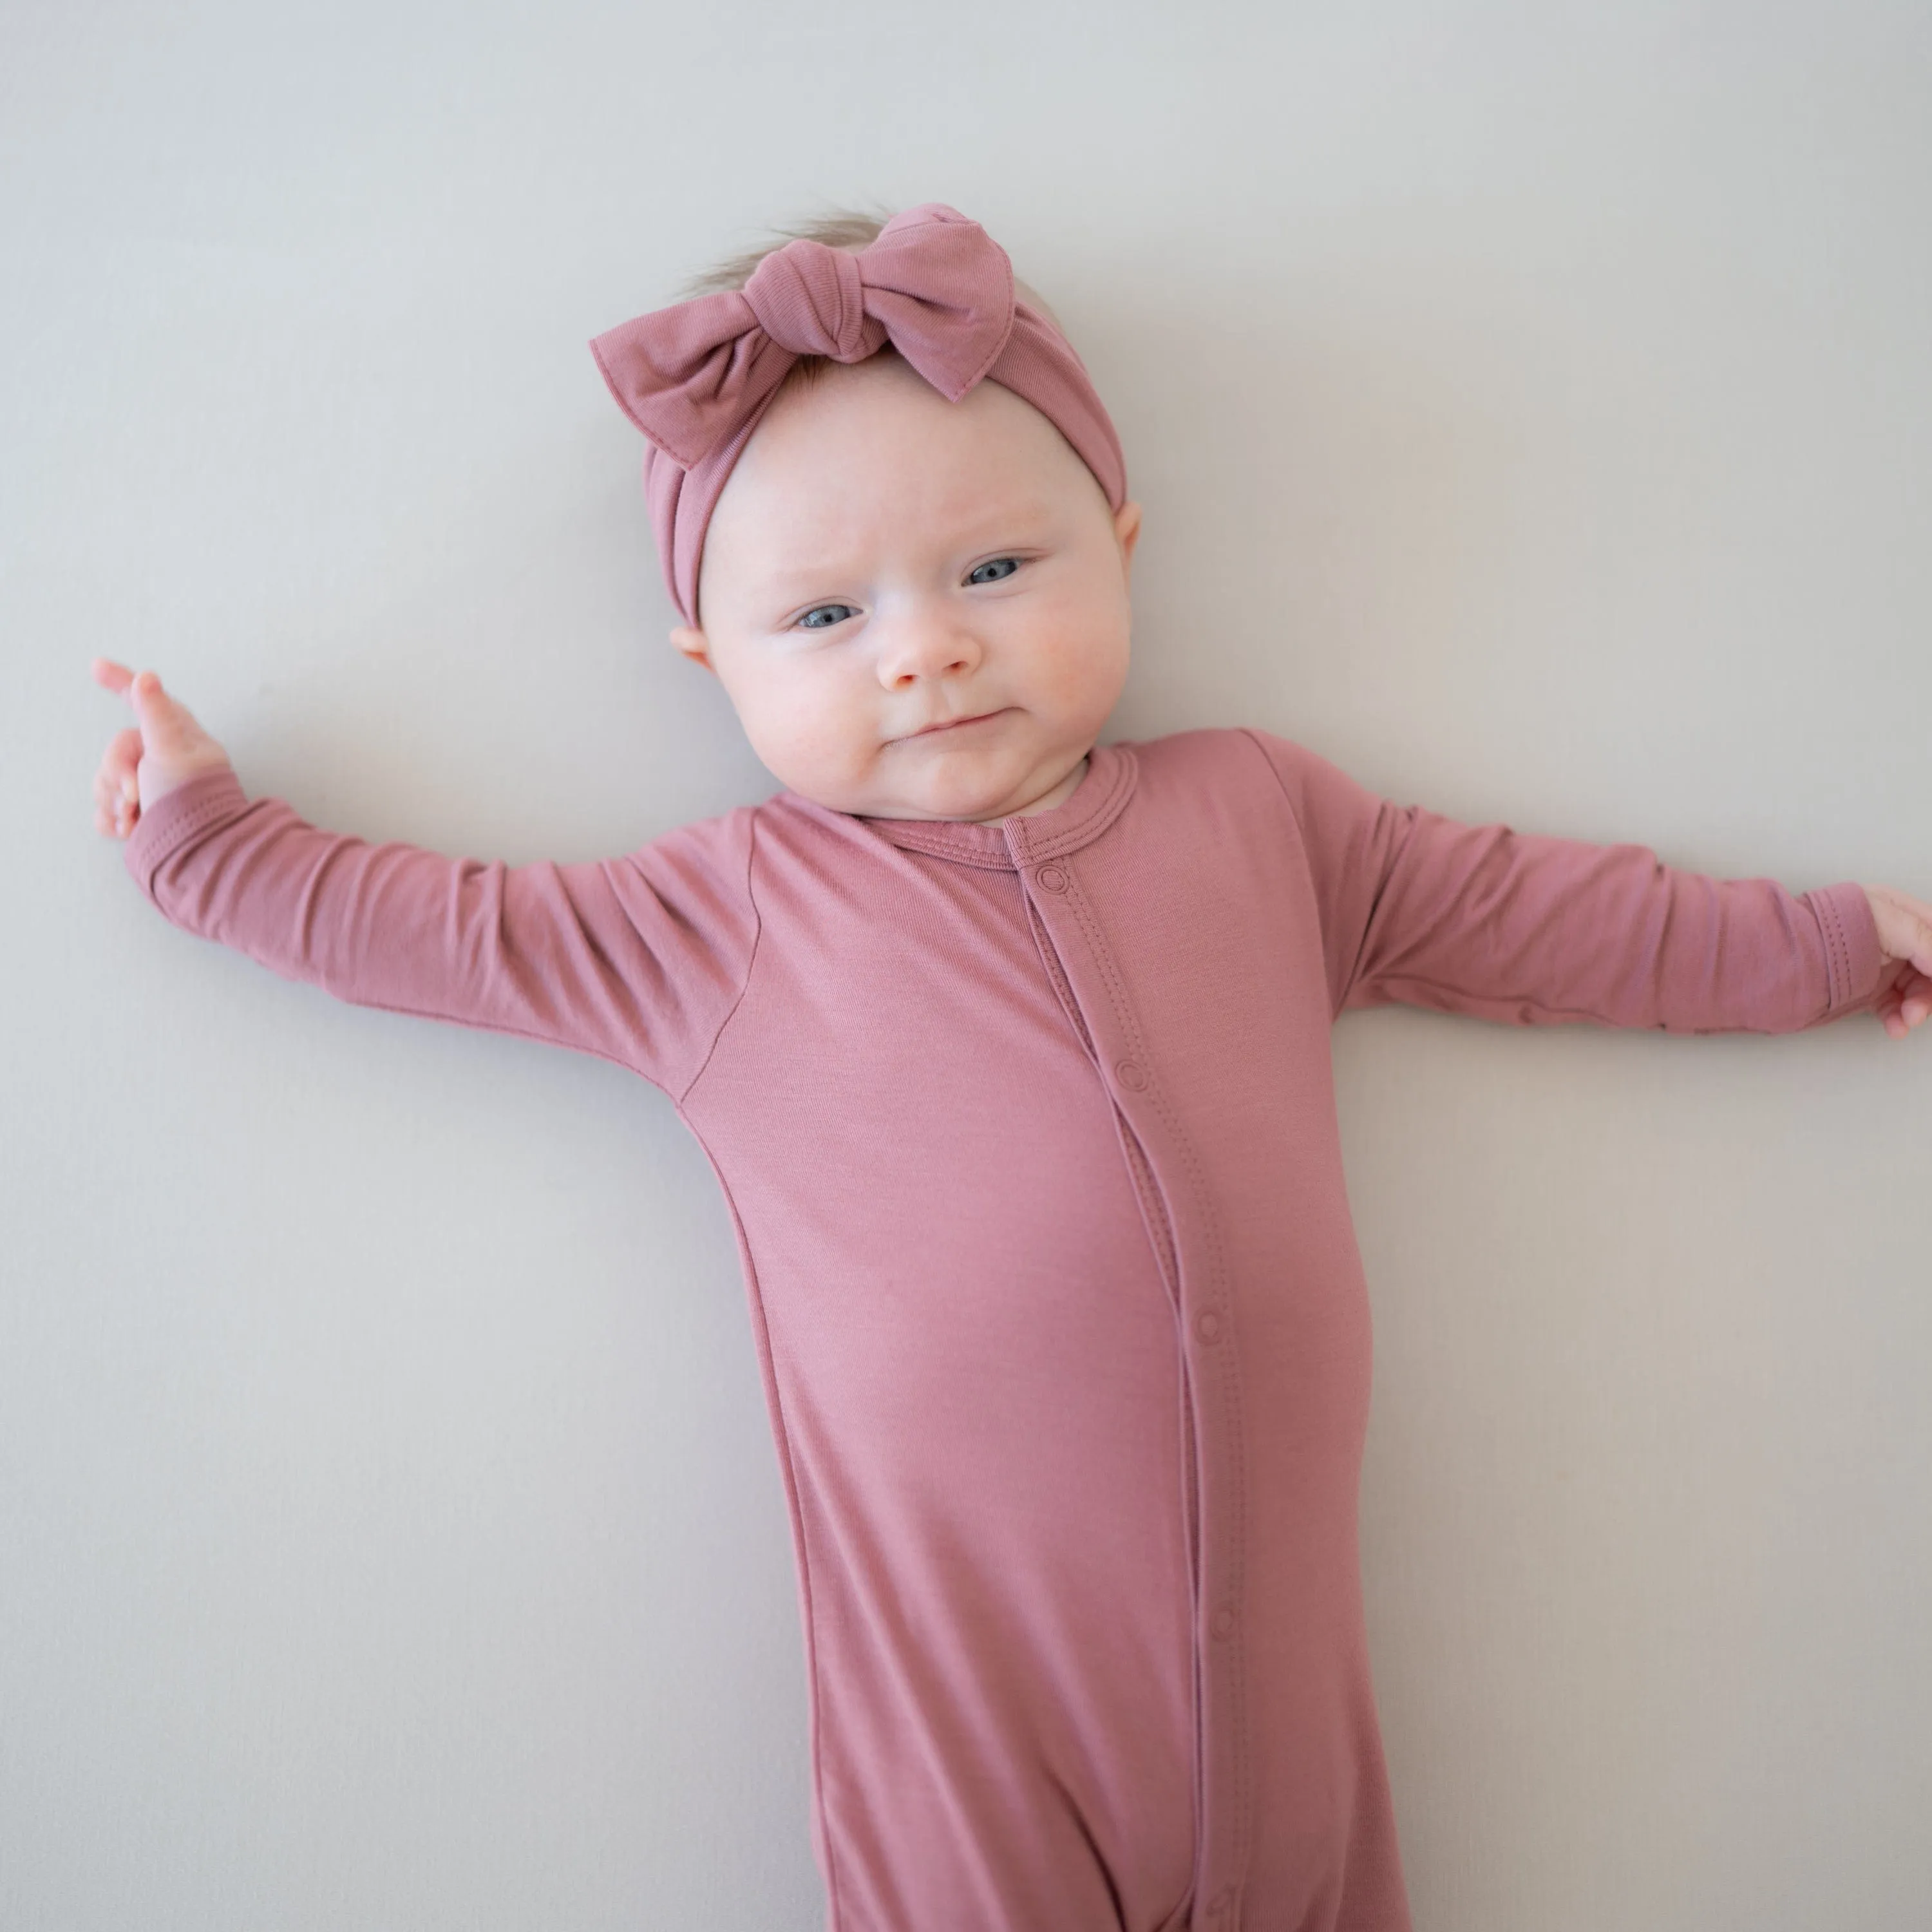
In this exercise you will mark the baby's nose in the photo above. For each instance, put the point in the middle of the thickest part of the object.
(926, 648)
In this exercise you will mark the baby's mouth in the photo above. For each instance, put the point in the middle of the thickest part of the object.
(945, 725)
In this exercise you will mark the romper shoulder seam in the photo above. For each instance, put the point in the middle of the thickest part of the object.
(751, 961)
(1280, 784)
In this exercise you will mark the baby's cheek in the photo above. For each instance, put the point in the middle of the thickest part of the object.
(1084, 667)
(810, 729)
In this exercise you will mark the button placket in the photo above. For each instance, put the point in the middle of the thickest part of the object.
(1077, 945)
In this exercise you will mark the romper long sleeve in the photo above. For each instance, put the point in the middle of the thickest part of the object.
(636, 958)
(1506, 925)
(1028, 1135)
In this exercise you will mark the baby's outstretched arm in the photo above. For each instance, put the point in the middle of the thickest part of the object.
(1499, 924)
(639, 959)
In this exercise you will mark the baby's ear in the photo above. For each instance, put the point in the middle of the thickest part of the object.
(1127, 528)
(692, 643)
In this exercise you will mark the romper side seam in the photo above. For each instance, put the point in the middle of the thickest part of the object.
(775, 1403)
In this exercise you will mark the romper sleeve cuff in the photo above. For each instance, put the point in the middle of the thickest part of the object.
(1853, 955)
(206, 799)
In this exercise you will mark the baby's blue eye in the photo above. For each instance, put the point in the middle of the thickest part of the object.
(1005, 566)
(823, 616)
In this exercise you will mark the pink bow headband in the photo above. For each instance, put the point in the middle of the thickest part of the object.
(696, 377)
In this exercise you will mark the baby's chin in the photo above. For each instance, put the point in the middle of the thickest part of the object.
(959, 796)
(950, 786)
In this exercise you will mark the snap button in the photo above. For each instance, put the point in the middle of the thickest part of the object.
(1223, 1624)
(1208, 1327)
(1052, 879)
(1131, 1074)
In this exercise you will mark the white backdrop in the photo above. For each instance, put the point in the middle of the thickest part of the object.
(1531, 409)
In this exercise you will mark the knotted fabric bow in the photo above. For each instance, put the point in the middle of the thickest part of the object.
(697, 377)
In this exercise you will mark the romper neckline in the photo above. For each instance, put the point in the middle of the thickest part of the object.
(1009, 844)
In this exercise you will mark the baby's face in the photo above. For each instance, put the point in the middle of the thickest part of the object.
(882, 561)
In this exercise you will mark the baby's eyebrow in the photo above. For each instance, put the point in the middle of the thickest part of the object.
(1025, 523)
(784, 580)
(782, 587)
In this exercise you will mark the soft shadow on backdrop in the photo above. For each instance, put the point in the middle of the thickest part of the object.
(1531, 410)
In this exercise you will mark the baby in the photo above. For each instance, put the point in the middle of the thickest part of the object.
(1010, 1049)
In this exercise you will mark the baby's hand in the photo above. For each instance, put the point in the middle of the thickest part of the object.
(160, 752)
(1905, 938)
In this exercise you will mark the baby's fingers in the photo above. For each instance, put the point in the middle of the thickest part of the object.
(122, 755)
(1914, 998)
(117, 799)
(1905, 1005)
(173, 748)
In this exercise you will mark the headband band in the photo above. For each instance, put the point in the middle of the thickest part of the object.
(696, 377)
